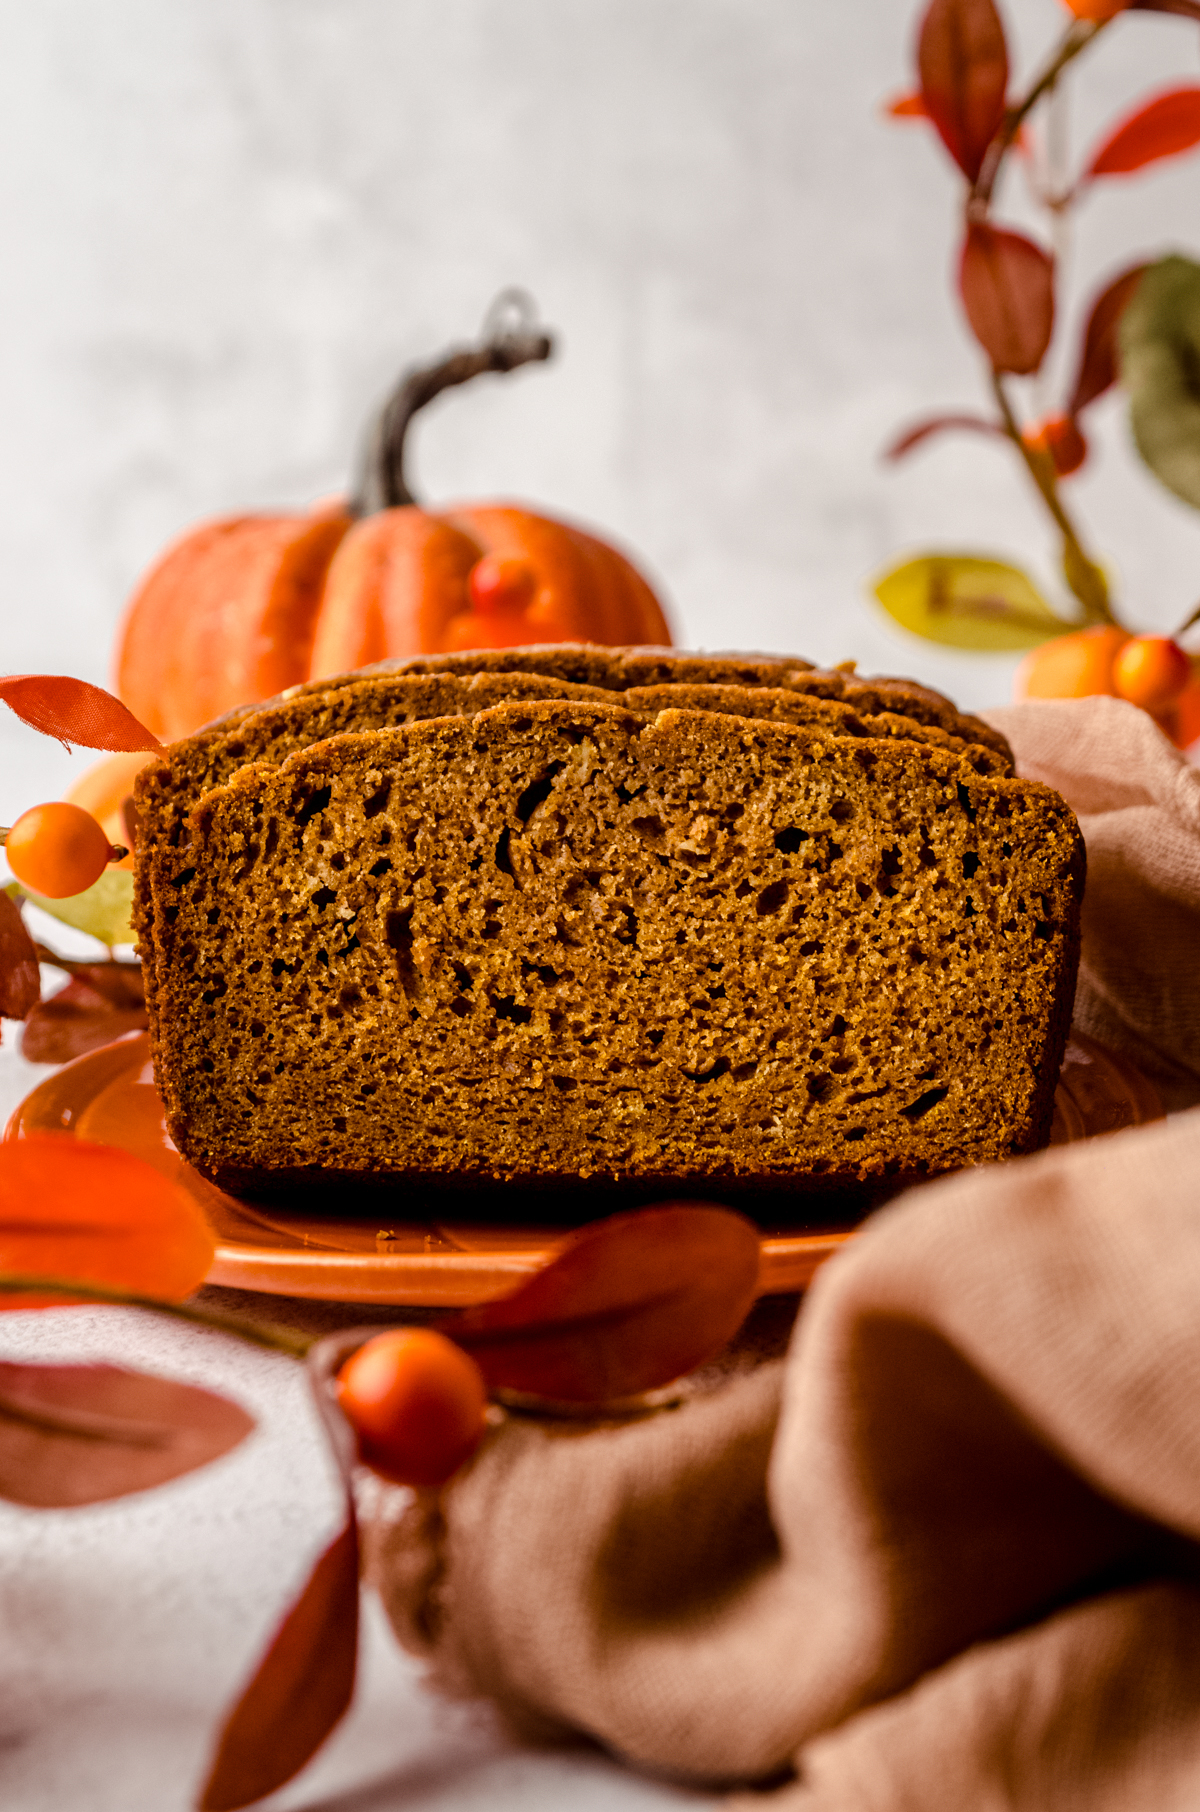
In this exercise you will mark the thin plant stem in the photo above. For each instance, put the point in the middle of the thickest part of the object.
(1082, 574)
(1084, 577)
(276, 1339)
(1076, 38)
(1056, 201)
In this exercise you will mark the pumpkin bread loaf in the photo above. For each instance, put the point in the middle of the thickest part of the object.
(559, 938)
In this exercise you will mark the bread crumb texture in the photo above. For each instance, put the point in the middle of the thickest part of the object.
(556, 937)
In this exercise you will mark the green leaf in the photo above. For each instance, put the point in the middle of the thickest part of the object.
(102, 910)
(966, 602)
(1160, 368)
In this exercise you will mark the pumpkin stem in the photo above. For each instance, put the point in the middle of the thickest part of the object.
(510, 337)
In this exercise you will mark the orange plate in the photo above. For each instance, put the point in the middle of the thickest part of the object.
(109, 1098)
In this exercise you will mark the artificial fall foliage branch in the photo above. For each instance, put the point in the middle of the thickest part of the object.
(625, 1307)
(1142, 328)
(73, 711)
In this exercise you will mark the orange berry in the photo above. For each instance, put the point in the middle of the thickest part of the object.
(1078, 665)
(57, 849)
(501, 582)
(1151, 671)
(416, 1402)
(1059, 436)
(1182, 722)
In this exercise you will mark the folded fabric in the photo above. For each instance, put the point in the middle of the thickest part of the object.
(1137, 799)
(989, 1413)
(943, 1555)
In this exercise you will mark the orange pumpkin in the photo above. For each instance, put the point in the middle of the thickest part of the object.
(106, 791)
(243, 607)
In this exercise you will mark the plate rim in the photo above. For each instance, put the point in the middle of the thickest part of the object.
(459, 1277)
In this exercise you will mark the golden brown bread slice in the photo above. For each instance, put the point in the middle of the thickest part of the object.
(167, 789)
(399, 693)
(789, 706)
(556, 939)
(617, 669)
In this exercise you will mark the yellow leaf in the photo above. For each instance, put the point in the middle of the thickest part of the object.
(966, 602)
(102, 910)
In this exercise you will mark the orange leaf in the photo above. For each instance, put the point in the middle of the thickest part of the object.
(1164, 127)
(91, 1212)
(1098, 355)
(1007, 286)
(20, 978)
(82, 1434)
(300, 1690)
(74, 711)
(632, 1303)
(963, 63)
(907, 107)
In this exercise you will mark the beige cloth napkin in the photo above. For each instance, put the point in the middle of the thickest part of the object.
(1138, 803)
(942, 1556)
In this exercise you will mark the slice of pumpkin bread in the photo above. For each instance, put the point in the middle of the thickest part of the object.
(617, 669)
(168, 788)
(788, 706)
(558, 939)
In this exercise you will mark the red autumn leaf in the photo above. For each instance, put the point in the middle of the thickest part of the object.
(1164, 127)
(963, 63)
(98, 1216)
(304, 1683)
(74, 711)
(907, 107)
(1007, 285)
(81, 1434)
(939, 424)
(101, 1002)
(630, 1304)
(1098, 355)
(302, 1687)
(20, 978)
